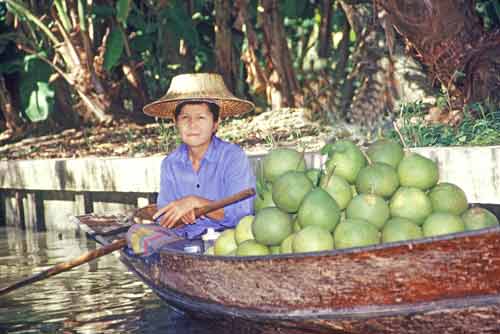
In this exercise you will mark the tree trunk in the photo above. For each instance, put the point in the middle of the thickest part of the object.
(282, 76)
(324, 28)
(13, 122)
(224, 42)
(447, 36)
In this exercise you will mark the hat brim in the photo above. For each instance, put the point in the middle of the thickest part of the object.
(228, 106)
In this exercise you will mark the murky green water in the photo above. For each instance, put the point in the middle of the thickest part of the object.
(101, 297)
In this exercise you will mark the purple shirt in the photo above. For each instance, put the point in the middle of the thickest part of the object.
(224, 171)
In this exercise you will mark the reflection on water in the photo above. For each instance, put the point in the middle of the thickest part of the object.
(101, 297)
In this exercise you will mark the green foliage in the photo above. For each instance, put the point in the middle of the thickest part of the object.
(37, 96)
(114, 49)
(122, 11)
(489, 10)
(480, 126)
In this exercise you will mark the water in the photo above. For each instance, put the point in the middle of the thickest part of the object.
(100, 297)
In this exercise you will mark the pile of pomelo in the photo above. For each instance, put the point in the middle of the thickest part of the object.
(359, 198)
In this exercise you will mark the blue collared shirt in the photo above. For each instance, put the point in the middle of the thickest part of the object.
(224, 171)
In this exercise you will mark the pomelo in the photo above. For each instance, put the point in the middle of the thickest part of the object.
(476, 218)
(314, 175)
(386, 151)
(339, 189)
(243, 230)
(440, 223)
(271, 226)
(275, 249)
(289, 189)
(312, 238)
(378, 179)
(410, 203)
(355, 233)
(320, 209)
(252, 248)
(296, 225)
(264, 199)
(209, 251)
(448, 197)
(346, 160)
(371, 208)
(286, 245)
(282, 160)
(417, 171)
(225, 243)
(399, 229)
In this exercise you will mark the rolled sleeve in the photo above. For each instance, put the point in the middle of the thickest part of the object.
(239, 176)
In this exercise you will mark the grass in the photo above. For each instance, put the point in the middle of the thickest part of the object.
(480, 127)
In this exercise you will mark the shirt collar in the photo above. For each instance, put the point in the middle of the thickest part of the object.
(210, 154)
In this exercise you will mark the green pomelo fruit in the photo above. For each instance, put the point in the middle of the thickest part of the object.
(286, 246)
(477, 218)
(252, 248)
(290, 189)
(339, 189)
(271, 226)
(448, 197)
(282, 160)
(264, 200)
(320, 209)
(312, 239)
(410, 203)
(243, 230)
(346, 160)
(275, 250)
(378, 179)
(313, 174)
(296, 225)
(440, 223)
(225, 243)
(371, 208)
(417, 171)
(355, 233)
(209, 251)
(386, 151)
(399, 229)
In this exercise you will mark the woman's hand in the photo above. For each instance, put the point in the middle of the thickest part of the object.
(182, 209)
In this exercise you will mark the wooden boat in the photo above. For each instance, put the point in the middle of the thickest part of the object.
(448, 284)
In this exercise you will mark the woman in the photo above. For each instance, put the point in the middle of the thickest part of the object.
(202, 169)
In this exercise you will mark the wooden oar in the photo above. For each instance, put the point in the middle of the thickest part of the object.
(118, 244)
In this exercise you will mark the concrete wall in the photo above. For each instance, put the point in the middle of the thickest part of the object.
(42, 194)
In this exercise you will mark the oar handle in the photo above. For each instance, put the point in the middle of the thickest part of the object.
(118, 244)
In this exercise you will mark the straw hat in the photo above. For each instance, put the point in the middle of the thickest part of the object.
(207, 87)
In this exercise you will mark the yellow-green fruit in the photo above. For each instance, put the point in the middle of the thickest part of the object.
(399, 229)
(355, 233)
(339, 189)
(286, 245)
(243, 230)
(448, 197)
(209, 251)
(417, 171)
(441, 223)
(282, 160)
(252, 248)
(477, 218)
(412, 204)
(313, 174)
(386, 151)
(296, 225)
(346, 160)
(264, 200)
(225, 243)
(371, 208)
(378, 179)
(289, 190)
(319, 209)
(271, 226)
(275, 250)
(312, 239)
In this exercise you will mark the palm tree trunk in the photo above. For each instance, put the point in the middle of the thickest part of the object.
(13, 122)
(223, 42)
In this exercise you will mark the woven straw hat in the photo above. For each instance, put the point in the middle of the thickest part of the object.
(207, 87)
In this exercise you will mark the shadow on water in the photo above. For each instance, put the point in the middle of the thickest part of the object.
(100, 297)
